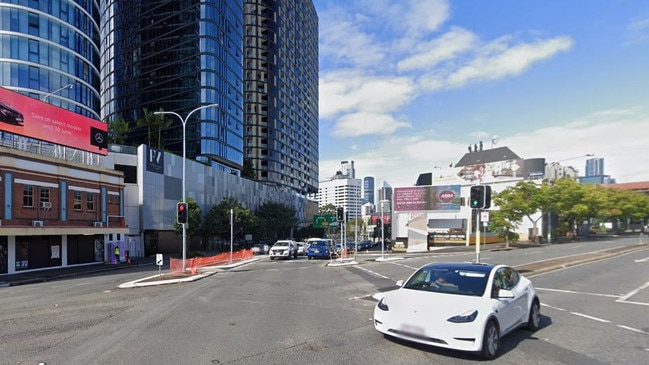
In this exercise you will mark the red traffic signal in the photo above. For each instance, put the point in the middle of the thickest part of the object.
(181, 213)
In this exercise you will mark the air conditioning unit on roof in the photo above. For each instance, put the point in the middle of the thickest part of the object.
(97, 224)
(37, 223)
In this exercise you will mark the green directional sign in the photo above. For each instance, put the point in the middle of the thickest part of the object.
(324, 221)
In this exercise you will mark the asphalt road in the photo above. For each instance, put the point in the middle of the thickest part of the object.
(303, 311)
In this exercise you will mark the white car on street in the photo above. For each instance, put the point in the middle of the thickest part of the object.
(461, 306)
(285, 249)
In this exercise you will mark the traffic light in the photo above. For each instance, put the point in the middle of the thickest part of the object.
(480, 197)
(340, 213)
(181, 213)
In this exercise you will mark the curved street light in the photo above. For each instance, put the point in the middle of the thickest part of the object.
(68, 86)
(184, 122)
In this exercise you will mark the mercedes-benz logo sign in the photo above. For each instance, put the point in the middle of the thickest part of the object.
(99, 138)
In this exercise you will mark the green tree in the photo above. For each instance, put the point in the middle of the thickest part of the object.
(521, 200)
(118, 130)
(276, 221)
(217, 220)
(155, 122)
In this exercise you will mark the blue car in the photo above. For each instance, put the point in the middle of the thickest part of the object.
(319, 248)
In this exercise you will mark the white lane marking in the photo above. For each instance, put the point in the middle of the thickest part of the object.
(591, 317)
(633, 292)
(578, 292)
(633, 329)
(372, 272)
(555, 308)
(403, 265)
(646, 259)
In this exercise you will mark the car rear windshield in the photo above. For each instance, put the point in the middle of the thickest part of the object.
(317, 243)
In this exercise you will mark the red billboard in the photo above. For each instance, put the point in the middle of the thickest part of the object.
(33, 118)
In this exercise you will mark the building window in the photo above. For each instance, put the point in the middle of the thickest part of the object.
(28, 196)
(77, 200)
(45, 198)
(90, 202)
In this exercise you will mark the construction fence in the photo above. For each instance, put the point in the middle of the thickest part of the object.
(192, 265)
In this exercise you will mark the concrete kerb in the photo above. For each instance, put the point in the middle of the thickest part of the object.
(203, 272)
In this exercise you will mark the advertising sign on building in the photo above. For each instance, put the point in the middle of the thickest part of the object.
(427, 198)
(33, 118)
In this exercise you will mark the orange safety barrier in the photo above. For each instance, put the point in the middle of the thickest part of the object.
(176, 265)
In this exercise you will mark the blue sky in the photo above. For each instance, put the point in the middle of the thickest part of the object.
(407, 85)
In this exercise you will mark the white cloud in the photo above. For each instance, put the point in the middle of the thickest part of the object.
(359, 124)
(431, 53)
(498, 60)
(346, 92)
(615, 135)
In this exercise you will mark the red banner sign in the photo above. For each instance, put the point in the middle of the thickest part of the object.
(33, 118)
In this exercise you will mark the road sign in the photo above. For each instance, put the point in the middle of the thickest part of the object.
(324, 221)
(158, 259)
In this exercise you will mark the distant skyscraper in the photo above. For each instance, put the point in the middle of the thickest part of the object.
(385, 192)
(594, 167)
(176, 56)
(341, 191)
(368, 189)
(281, 92)
(48, 45)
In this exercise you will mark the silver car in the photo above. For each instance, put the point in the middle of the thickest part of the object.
(284, 249)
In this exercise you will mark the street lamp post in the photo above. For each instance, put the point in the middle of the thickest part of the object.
(184, 123)
(382, 233)
(68, 86)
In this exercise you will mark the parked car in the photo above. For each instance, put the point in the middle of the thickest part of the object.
(319, 248)
(301, 248)
(260, 248)
(286, 249)
(461, 306)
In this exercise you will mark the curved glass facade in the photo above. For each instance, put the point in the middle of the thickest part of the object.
(281, 91)
(46, 46)
(175, 56)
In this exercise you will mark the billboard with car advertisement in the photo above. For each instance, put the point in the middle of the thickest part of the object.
(33, 118)
(427, 198)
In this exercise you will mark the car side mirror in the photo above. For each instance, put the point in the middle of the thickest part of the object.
(506, 294)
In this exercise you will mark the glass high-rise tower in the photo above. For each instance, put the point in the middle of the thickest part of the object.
(176, 56)
(50, 51)
(281, 92)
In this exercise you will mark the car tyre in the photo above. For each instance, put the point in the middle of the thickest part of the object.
(490, 341)
(534, 322)
(272, 258)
